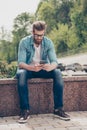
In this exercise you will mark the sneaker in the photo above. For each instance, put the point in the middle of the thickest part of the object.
(24, 116)
(61, 115)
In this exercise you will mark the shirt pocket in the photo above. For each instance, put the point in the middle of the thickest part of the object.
(44, 54)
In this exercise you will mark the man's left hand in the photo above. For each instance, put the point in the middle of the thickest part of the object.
(49, 67)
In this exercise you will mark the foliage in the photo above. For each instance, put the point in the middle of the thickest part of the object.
(6, 70)
(66, 13)
(21, 28)
(59, 37)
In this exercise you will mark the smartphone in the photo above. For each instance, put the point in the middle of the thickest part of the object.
(42, 62)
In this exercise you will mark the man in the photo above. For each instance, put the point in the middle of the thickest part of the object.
(37, 59)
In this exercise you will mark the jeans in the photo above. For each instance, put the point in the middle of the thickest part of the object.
(58, 85)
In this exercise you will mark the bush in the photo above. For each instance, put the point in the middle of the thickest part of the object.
(6, 70)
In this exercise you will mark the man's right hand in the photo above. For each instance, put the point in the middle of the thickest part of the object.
(37, 67)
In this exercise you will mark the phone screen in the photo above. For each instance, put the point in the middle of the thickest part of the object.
(42, 62)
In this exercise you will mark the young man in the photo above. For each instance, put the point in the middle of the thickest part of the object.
(37, 59)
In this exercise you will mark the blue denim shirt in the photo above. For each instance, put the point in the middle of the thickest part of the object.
(26, 50)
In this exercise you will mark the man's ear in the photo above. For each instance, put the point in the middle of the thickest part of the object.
(32, 32)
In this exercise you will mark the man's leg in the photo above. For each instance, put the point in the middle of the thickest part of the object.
(23, 95)
(23, 89)
(58, 86)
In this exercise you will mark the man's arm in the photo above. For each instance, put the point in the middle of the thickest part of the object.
(52, 54)
(52, 58)
(36, 67)
(22, 58)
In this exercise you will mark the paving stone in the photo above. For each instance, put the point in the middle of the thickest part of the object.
(84, 128)
(22, 128)
(74, 128)
(46, 122)
(57, 129)
(4, 127)
(39, 128)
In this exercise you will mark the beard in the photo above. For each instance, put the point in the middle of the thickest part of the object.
(38, 42)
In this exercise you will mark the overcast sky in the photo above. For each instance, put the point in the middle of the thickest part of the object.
(9, 9)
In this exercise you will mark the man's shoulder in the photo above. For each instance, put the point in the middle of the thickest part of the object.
(27, 38)
(48, 41)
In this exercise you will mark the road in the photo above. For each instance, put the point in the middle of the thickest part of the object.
(78, 58)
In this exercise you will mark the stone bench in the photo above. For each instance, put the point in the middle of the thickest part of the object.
(41, 96)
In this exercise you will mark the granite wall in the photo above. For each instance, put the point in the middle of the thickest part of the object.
(41, 95)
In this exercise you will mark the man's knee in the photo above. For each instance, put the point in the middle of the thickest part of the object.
(58, 78)
(21, 75)
(57, 73)
(21, 72)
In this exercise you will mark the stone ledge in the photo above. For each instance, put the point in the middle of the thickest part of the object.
(41, 80)
(41, 96)
(12, 80)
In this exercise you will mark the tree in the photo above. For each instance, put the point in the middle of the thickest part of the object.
(21, 28)
(79, 22)
(5, 45)
(62, 11)
(60, 37)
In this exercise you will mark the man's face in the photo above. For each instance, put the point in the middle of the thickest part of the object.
(38, 36)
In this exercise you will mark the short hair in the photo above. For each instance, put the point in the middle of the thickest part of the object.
(39, 25)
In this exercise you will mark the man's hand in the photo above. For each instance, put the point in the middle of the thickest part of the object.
(37, 67)
(49, 67)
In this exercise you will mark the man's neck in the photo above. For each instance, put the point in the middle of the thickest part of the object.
(37, 45)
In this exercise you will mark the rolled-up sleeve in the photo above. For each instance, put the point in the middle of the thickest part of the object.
(51, 53)
(21, 52)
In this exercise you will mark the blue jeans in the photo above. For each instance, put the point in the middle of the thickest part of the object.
(58, 85)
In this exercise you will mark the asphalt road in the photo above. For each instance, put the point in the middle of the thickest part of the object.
(78, 58)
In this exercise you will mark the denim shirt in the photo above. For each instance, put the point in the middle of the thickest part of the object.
(26, 50)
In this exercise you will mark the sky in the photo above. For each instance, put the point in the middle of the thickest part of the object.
(10, 9)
